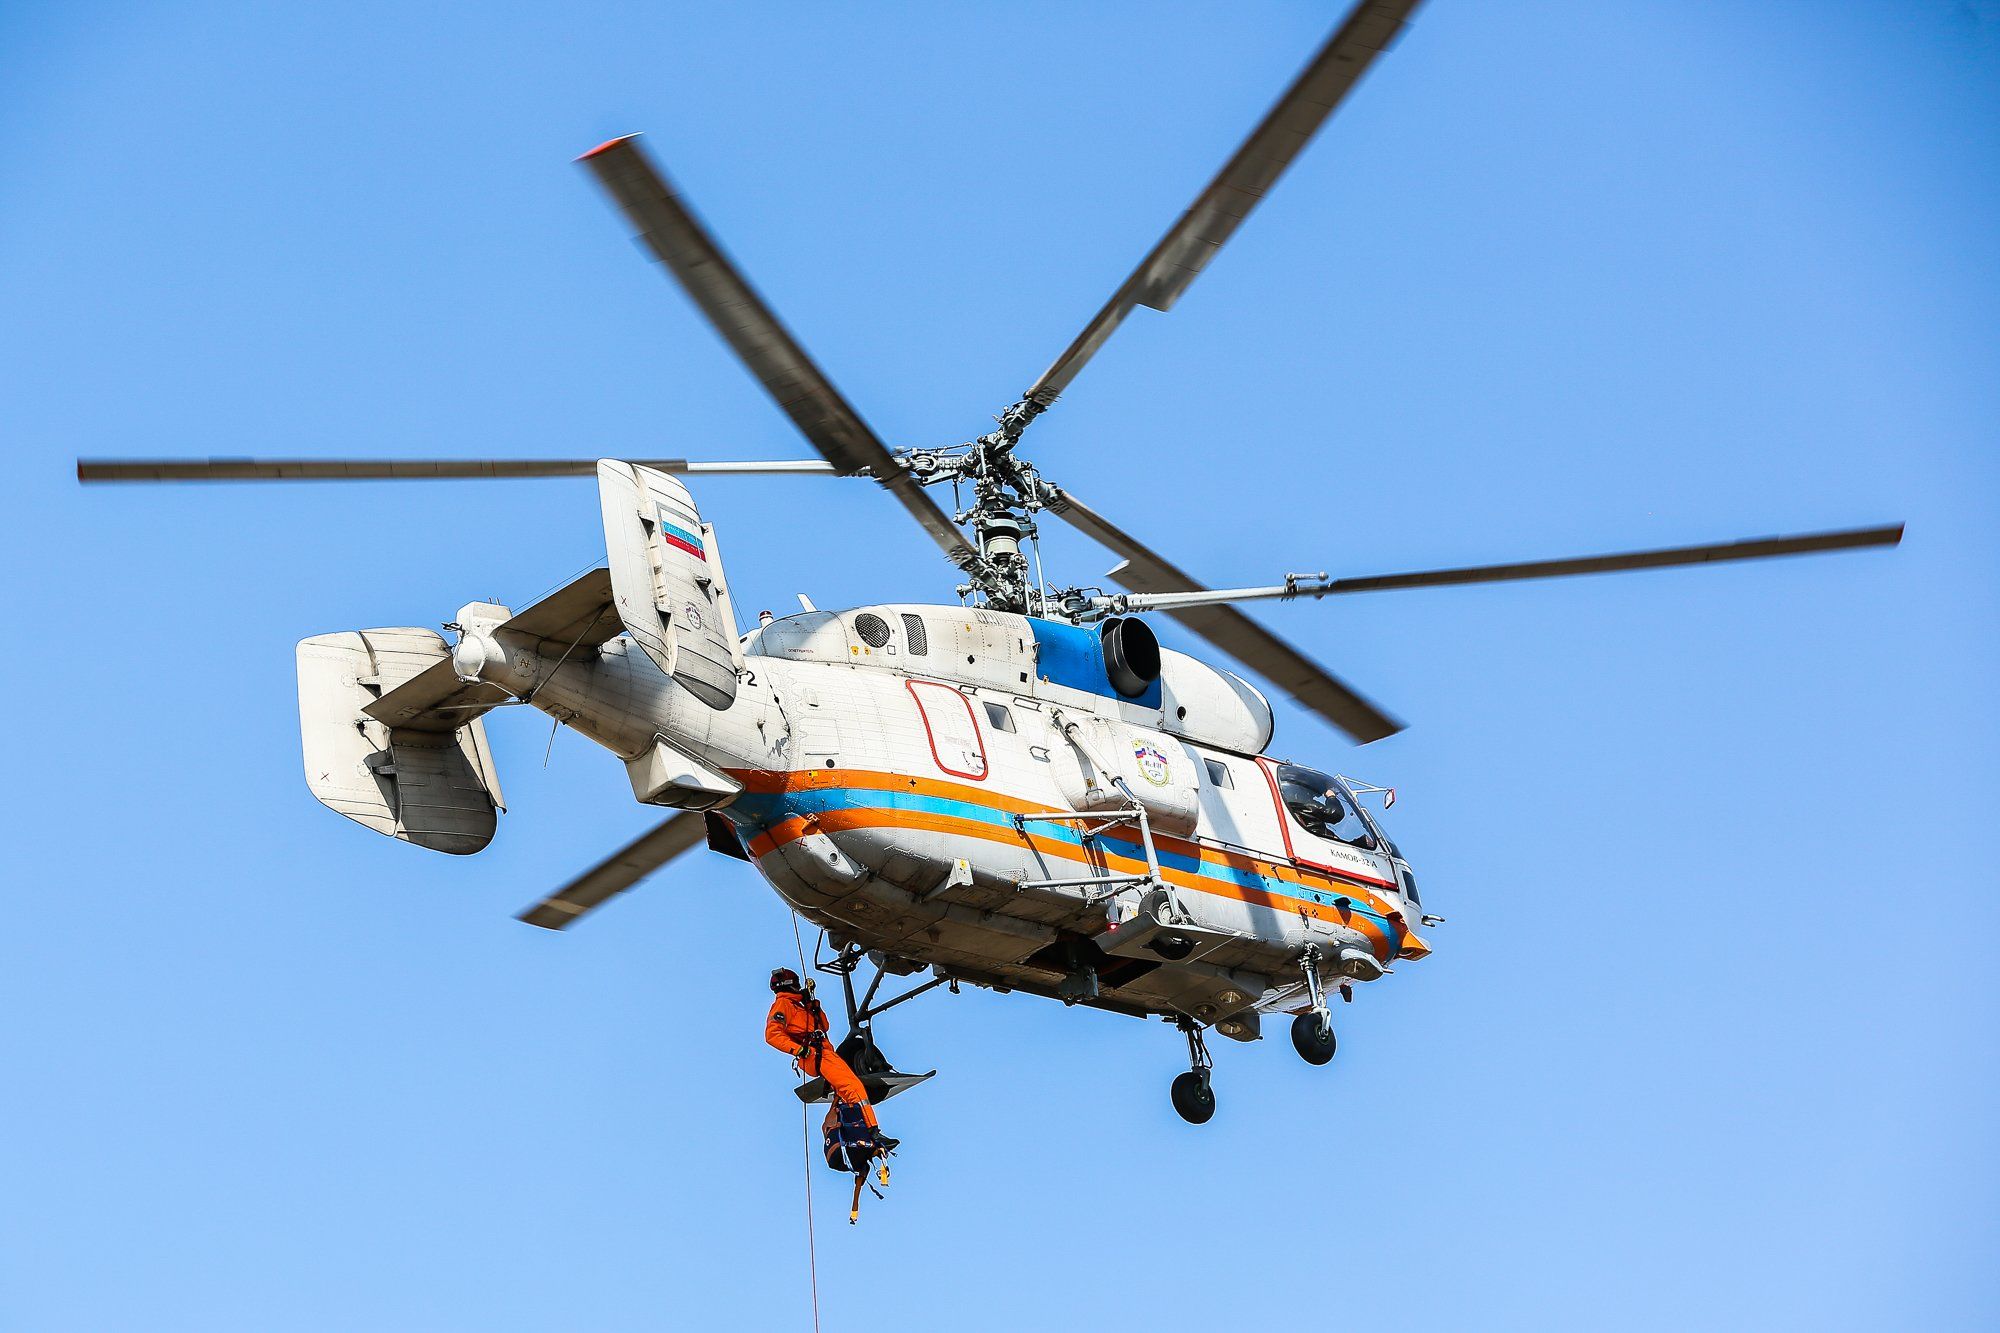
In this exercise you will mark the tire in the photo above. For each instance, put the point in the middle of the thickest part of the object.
(1194, 1099)
(1312, 1038)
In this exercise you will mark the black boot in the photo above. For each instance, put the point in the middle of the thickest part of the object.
(887, 1144)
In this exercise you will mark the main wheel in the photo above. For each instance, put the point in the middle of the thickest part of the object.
(1312, 1038)
(1193, 1097)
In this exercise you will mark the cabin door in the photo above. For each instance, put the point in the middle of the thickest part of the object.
(957, 746)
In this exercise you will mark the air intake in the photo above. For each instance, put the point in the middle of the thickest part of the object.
(913, 630)
(1131, 656)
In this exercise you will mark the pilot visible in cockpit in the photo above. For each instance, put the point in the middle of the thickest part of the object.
(1321, 809)
(1344, 823)
(1335, 819)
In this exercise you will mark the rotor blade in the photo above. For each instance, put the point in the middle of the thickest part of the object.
(381, 469)
(679, 241)
(1369, 29)
(1756, 549)
(1307, 682)
(619, 871)
(1317, 586)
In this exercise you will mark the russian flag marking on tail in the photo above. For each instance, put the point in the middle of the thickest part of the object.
(689, 542)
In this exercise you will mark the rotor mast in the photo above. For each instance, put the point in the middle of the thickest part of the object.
(1007, 493)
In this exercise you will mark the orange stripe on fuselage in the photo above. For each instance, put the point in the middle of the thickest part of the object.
(792, 827)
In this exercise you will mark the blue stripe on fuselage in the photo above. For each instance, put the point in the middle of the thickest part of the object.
(763, 810)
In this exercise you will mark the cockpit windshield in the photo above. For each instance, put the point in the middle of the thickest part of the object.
(1323, 807)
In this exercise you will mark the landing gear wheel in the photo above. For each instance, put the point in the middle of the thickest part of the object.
(1312, 1038)
(1193, 1098)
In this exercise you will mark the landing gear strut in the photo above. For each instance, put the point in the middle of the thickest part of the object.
(1194, 1099)
(1312, 1031)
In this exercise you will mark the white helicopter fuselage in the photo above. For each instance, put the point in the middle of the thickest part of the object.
(1019, 802)
(962, 789)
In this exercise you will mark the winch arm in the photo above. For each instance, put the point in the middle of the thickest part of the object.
(1073, 734)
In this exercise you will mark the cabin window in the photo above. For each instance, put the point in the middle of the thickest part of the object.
(1321, 808)
(1219, 774)
(1000, 716)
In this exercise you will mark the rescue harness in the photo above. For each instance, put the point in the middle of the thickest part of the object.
(853, 1145)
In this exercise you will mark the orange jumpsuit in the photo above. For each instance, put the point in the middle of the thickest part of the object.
(789, 1027)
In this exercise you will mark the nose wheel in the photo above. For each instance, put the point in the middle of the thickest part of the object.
(1194, 1097)
(1312, 1031)
(1312, 1038)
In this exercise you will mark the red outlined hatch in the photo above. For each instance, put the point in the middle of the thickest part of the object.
(956, 743)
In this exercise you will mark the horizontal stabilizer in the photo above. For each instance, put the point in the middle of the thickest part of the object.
(579, 613)
(435, 699)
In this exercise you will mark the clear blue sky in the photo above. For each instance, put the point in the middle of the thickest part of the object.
(1708, 1039)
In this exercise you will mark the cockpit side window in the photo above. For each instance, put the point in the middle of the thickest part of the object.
(1321, 808)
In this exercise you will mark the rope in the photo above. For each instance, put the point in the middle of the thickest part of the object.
(805, 1136)
(812, 1244)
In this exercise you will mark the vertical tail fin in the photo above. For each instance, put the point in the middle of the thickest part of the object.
(394, 740)
(667, 579)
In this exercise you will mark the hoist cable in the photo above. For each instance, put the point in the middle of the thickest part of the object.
(805, 1141)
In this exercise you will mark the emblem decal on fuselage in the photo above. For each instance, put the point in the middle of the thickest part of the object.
(1152, 763)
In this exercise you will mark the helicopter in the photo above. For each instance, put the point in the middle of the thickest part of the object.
(1021, 789)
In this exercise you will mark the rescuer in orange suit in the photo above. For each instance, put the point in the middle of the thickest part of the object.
(796, 1025)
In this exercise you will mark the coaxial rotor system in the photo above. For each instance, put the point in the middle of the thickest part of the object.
(1002, 493)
